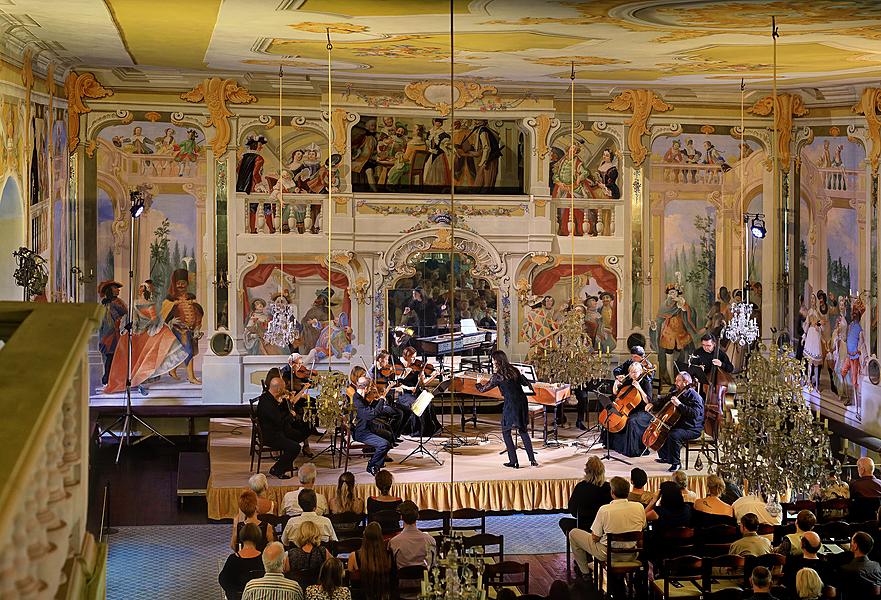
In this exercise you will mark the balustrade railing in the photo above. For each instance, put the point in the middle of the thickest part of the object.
(44, 465)
(142, 168)
(299, 215)
(688, 173)
(589, 219)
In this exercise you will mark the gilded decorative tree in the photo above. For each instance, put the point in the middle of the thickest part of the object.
(571, 358)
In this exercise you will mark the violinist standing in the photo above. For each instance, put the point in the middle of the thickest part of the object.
(383, 375)
(411, 382)
(514, 410)
(690, 424)
(628, 441)
(368, 415)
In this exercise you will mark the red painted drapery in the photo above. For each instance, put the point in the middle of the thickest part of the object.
(607, 280)
(261, 274)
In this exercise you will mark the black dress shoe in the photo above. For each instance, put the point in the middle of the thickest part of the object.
(674, 467)
(373, 470)
(512, 465)
(534, 463)
(580, 425)
(661, 460)
(387, 460)
(278, 474)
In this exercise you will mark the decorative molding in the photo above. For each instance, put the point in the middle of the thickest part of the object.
(373, 101)
(803, 137)
(78, 87)
(834, 131)
(152, 116)
(859, 135)
(27, 75)
(51, 88)
(669, 130)
(360, 288)
(339, 125)
(542, 125)
(435, 95)
(869, 106)
(788, 106)
(215, 93)
(342, 257)
(640, 103)
(99, 121)
(603, 128)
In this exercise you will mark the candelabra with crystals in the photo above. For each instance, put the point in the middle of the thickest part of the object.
(742, 329)
(280, 330)
(775, 443)
(457, 573)
(571, 357)
(332, 405)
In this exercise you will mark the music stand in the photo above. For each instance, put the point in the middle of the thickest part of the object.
(423, 401)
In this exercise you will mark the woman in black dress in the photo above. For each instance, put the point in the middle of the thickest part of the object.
(514, 410)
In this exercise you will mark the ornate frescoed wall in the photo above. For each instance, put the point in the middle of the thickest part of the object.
(11, 220)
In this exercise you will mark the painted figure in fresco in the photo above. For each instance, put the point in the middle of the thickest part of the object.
(255, 329)
(186, 153)
(464, 167)
(825, 160)
(712, 156)
(250, 168)
(488, 153)
(540, 324)
(813, 342)
(826, 336)
(315, 319)
(115, 311)
(335, 339)
(136, 143)
(165, 144)
(364, 157)
(437, 168)
(569, 174)
(691, 156)
(675, 329)
(673, 155)
(608, 174)
(184, 315)
(839, 351)
(857, 351)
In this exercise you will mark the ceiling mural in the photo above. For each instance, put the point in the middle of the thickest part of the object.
(662, 42)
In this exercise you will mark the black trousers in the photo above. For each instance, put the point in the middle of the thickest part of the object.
(289, 449)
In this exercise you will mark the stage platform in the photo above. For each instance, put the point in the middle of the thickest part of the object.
(472, 477)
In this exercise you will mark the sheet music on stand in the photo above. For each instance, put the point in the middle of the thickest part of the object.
(528, 372)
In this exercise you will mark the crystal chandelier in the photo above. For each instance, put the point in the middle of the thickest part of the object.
(572, 357)
(742, 329)
(281, 328)
(332, 404)
(457, 574)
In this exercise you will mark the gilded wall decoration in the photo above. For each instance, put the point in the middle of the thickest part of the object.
(215, 93)
(78, 87)
(542, 125)
(380, 101)
(339, 123)
(434, 95)
(788, 106)
(640, 103)
(869, 106)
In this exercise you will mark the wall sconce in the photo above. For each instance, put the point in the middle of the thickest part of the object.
(221, 280)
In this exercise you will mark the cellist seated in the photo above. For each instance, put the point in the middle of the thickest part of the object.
(636, 390)
(690, 423)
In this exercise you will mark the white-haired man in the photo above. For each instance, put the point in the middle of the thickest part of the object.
(273, 585)
(290, 503)
(866, 485)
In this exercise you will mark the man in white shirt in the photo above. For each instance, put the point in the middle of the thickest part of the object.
(307, 503)
(757, 505)
(306, 474)
(621, 516)
(273, 585)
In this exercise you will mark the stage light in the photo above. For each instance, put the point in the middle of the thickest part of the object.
(758, 228)
(137, 208)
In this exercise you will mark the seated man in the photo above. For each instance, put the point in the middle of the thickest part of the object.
(412, 547)
(364, 433)
(291, 505)
(307, 501)
(861, 575)
(760, 580)
(690, 423)
(278, 428)
(620, 516)
(751, 544)
(757, 505)
(865, 485)
(791, 543)
(808, 559)
(273, 584)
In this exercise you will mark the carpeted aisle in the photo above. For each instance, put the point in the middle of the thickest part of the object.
(182, 561)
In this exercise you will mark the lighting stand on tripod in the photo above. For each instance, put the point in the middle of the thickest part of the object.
(128, 418)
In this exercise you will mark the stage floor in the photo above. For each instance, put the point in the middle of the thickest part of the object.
(472, 477)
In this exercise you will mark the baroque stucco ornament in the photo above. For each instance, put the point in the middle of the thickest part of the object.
(432, 94)
(869, 106)
(78, 87)
(215, 93)
(640, 103)
(788, 106)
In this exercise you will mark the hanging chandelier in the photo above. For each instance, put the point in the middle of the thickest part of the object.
(457, 574)
(742, 329)
(571, 357)
(281, 329)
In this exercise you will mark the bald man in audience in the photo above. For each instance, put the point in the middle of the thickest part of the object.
(810, 545)
(866, 485)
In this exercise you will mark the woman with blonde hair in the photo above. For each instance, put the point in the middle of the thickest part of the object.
(372, 564)
(590, 493)
(345, 499)
(307, 555)
(712, 510)
(808, 585)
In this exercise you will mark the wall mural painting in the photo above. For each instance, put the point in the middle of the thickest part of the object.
(304, 170)
(406, 154)
(61, 213)
(587, 170)
(305, 286)
(11, 217)
(755, 206)
(167, 163)
(596, 290)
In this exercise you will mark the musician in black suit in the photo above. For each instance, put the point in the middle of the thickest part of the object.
(690, 424)
(279, 430)
(709, 356)
(383, 375)
(411, 382)
(369, 428)
(637, 355)
(514, 410)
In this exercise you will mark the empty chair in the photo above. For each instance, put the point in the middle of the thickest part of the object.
(470, 515)
(716, 540)
(428, 514)
(684, 574)
(832, 510)
(834, 531)
(347, 524)
(723, 572)
(507, 574)
(486, 540)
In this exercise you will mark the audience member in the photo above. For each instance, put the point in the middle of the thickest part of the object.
(273, 585)
(260, 485)
(866, 485)
(345, 499)
(372, 564)
(808, 585)
(669, 507)
(243, 565)
(768, 514)
(307, 555)
(560, 591)
(384, 501)
(306, 474)
(681, 479)
(248, 508)
(751, 544)
(859, 576)
(590, 493)
(760, 580)
(712, 510)
(731, 494)
(412, 547)
(638, 493)
(307, 501)
(791, 542)
(620, 516)
(330, 583)
(810, 546)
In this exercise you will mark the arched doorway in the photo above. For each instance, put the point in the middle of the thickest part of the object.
(11, 238)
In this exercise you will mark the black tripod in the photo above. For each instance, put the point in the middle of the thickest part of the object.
(128, 418)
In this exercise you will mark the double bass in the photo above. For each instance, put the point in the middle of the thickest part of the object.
(655, 436)
(614, 416)
(719, 396)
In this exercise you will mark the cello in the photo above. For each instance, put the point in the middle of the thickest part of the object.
(628, 397)
(719, 394)
(655, 436)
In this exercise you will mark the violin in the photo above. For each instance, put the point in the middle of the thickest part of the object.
(655, 436)
(628, 397)
(304, 374)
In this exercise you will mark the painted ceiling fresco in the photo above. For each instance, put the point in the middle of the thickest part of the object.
(664, 42)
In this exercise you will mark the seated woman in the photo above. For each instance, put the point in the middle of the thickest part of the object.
(248, 508)
(345, 500)
(308, 555)
(384, 501)
(628, 441)
(410, 384)
(669, 508)
(260, 485)
(590, 493)
(244, 565)
(330, 583)
(372, 565)
(712, 510)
